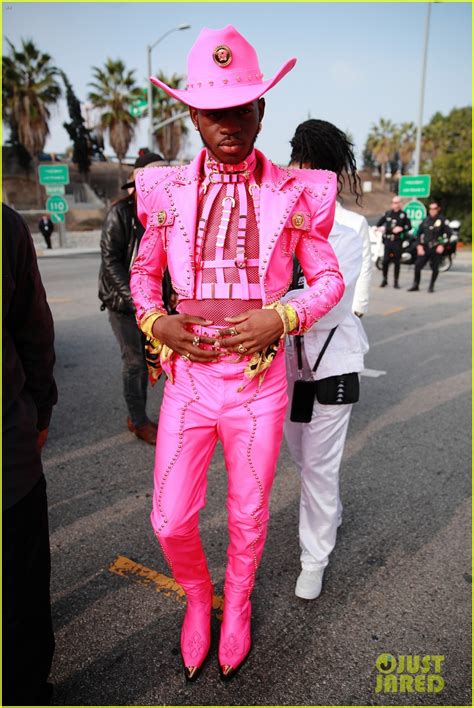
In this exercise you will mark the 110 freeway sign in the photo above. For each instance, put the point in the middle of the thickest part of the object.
(416, 212)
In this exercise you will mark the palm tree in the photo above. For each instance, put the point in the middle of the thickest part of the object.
(29, 87)
(114, 89)
(170, 137)
(406, 138)
(381, 144)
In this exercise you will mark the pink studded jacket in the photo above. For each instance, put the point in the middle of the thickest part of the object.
(296, 216)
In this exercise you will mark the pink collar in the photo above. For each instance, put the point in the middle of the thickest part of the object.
(220, 172)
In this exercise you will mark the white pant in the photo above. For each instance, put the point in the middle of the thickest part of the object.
(316, 448)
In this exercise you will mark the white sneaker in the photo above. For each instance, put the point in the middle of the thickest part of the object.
(309, 583)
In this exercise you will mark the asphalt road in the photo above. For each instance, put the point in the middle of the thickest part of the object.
(398, 582)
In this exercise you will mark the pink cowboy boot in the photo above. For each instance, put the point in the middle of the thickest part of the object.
(235, 640)
(196, 630)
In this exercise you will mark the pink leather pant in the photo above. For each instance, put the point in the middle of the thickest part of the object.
(201, 407)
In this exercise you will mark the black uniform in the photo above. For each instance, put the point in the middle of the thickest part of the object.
(29, 394)
(46, 228)
(393, 242)
(433, 232)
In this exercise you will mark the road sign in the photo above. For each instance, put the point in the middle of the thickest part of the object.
(418, 186)
(53, 174)
(55, 189)
(57, 204)
(58, 218)
(416, 212)
(138, 107)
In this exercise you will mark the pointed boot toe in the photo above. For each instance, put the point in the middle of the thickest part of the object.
(192, 672)
(196, 634)
(228, 671)
(235, 641)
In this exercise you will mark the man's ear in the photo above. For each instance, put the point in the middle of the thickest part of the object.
(193, 112)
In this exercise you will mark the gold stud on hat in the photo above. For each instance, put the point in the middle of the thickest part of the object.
(222, 55)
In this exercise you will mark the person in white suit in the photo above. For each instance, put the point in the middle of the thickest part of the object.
(317, 447)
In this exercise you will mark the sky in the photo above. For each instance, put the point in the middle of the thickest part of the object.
(357, 62)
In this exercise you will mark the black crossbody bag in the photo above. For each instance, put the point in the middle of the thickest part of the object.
(332, 391)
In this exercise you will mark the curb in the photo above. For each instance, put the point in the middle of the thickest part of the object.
(65, 252)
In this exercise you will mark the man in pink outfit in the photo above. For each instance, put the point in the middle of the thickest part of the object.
(227, 226)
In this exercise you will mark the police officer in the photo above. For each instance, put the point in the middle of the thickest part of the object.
(46, 227)
(432, 237)
(395, 225)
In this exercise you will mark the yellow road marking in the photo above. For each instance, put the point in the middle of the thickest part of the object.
(59, 299)
(393, 311)
(162, 583)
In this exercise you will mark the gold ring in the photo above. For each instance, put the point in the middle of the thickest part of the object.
(241, 349)
(233, 331)
(196, 340)
(186, 356)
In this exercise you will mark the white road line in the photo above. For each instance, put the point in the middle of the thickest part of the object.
(372, 373)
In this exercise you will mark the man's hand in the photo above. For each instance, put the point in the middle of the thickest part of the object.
(173, 330)
(397, 229)
(420, 250)
(42, 437)
(252, 331)
(440, 249)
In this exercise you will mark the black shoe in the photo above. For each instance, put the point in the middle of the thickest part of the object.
(396, 285)
(413, 289)
(383, 283)
(431, 289)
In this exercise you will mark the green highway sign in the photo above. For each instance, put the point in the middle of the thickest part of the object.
(418, 186)
(416, 212)
(55, 189)
(58, 218)
(138, 107)
(57, 204)
(53, 174)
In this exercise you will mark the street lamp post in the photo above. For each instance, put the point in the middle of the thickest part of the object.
(149, 49)
(422, 93)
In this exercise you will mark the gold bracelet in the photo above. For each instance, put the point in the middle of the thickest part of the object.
(146, 325)
(293, 319)
(287, 314)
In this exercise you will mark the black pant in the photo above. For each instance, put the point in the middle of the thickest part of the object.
(434, 259)
(134, 370)
(47, 238)
(392, 254)
(28, 639)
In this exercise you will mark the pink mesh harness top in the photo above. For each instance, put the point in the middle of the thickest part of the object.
(227, 243)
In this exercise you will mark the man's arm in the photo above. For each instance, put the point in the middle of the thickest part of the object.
(28, 320)
(360, 304)
(113, 246)
(406, 225)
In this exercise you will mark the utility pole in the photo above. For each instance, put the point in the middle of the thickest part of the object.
(422, 93)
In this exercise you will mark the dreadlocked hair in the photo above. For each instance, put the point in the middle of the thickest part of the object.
(323, 146)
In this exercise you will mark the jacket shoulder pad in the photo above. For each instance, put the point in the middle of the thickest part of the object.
(149, 177)
(316, 182)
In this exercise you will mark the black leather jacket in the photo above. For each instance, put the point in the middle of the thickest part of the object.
(121, 234)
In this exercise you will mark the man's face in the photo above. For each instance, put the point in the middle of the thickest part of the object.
(229, 133)
(396, 204)
(433, 210)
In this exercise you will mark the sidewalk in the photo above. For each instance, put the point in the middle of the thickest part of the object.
(77, 243)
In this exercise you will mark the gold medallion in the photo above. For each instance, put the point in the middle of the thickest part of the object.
(297, 220)
(161, 217)
(222, 55)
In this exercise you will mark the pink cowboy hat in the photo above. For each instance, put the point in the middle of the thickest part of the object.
(223, 71)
